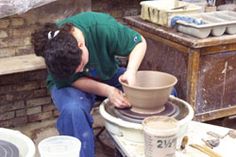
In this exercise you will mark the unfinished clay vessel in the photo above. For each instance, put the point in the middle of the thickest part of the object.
(150, 91)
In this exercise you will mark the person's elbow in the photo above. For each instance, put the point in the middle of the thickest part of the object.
(143, 43)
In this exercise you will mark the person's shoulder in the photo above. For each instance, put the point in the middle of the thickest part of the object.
(94, 14)
(78, 17)
(97, 18)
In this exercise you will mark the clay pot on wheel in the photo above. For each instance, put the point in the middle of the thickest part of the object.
(150, 91)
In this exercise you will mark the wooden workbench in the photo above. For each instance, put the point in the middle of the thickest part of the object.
(205, 68)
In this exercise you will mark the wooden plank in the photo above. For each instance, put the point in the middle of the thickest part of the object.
(216, 86)
(211, 115)
(163, 32)
(173, 35)
(22, 63)
(170, 43)
(218, 49)
(192, 75)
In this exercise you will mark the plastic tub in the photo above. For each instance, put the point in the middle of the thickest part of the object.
(60, 146)
(218, 23)
(24, 144)
(216, 30)
(160, 11)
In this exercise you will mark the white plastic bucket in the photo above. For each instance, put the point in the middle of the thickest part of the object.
(24, 144)
(59, 146)
(160, 136)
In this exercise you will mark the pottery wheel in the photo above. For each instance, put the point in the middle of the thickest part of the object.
(8, 149)
(170, 110)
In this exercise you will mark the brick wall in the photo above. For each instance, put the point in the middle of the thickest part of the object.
(24, 99)
(15, 30)
(117, 8)
(23, 96)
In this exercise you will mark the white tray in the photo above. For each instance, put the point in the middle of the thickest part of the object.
(216, 23)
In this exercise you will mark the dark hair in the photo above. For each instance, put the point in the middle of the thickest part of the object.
(61, 52)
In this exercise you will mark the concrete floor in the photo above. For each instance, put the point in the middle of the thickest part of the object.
(41, 130)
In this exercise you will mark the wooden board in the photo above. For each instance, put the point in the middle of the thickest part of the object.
(22, 63)
(181, 38)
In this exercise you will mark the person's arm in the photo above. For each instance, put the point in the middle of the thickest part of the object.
(135, 58)
(92, 86)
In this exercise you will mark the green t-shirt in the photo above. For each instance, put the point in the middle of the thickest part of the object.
(105, 38)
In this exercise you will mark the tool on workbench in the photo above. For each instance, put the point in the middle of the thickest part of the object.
(230, 133)
(184, 142)
(216, 135)
(212, 142)
(211, 2)
(206, 150)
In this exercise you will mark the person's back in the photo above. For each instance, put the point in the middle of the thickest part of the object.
(105, 38)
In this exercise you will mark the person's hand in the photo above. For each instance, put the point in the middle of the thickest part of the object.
(128, 77)
(117, 98)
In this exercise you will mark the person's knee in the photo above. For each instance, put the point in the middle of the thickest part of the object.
(72, 108)
(74, 112)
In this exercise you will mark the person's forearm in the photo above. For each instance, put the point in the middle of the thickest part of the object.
(136, 56)
(92, 86)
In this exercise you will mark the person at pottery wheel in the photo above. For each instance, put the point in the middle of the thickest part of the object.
(80, 53)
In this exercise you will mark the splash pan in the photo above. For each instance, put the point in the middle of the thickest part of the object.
(133, 131)
(8, 149)
(170, 109)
